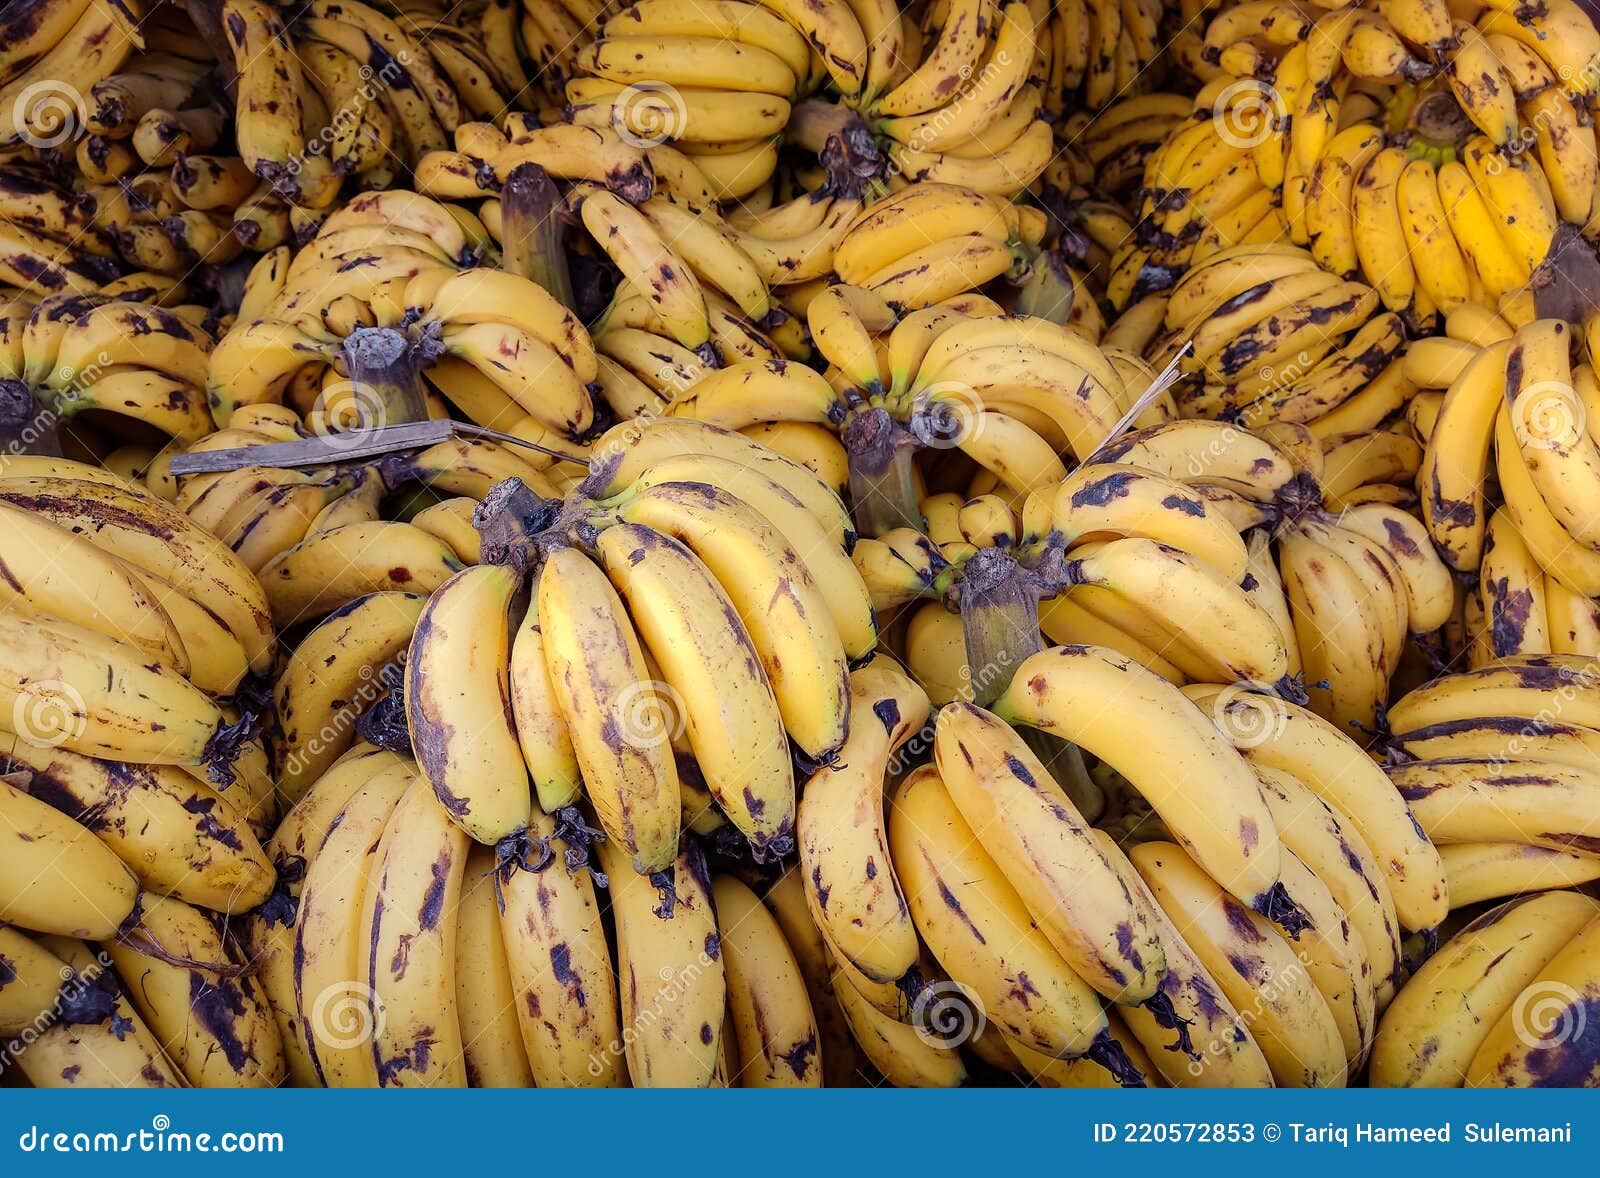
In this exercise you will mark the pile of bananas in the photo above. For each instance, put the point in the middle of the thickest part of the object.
(798, 542)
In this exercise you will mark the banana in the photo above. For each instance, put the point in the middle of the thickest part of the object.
(986, 938)
(1072, 890)
(769, 1009)
(1330, 846)
(1547, 417)
(1467, 800)
(485, 1000)
(561, 973)
(1494, 871)
(1240, 848)
(1552, 1052)
(332, 1004)
(1511, 588)
(1446, 1012)
(75, 688)
(1429, 590)
(100, 1042)
(674, 988)
(59, 877)
(270, 131)
(836, 37)
(409, 914)
(773, 593)
(1519, 198)
(53, 571)
(920, 216)
(327, 571)
(732, 20)
(333, 676)
(842, 834)
(214, 1023)
(902, 1054)
(1378, 228)
(1457, 457)
(650, 264)
(93, 46)
(1292, 1023)
(619, 732)
(818, 544)
(458, 703)
(547, 749)
(730, 716)
(177, 835)
(1184, 595)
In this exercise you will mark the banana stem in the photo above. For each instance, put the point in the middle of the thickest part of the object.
(1000, 625)
(26, 425)
(882, 481)
(206, 16)
(534, 220)
(385, 368)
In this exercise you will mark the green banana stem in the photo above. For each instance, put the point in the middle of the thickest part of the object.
(1000, 623)
(534, 220)
(385, 366)
(882, 480)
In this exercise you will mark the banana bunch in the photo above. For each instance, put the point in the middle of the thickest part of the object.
(1268, 335)
(51, 238)
(551, 36)
(1518, 408)
(114, 355)
(1118, 140)
(1200, 199)
(1501, 1003)
(1434, 154)
(1010, 393)
(128, 624)
(1096, 56)
(390, 266)
(692, 602)
(511, 972)
(55, 52)
(716, 84)
(1497, 766)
